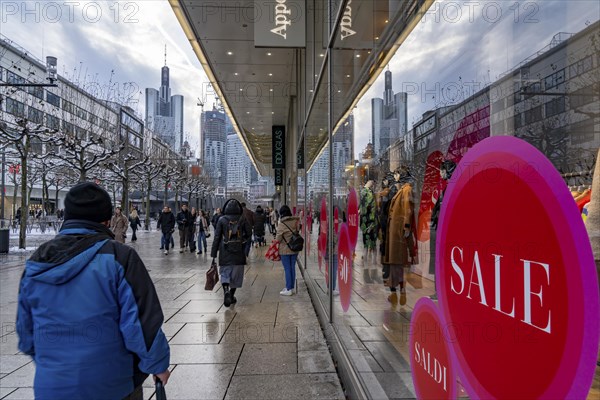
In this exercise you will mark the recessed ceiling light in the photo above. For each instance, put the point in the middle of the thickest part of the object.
(270, 74)
(252, 128)
(311, 90)
(376, 37)
(272, 112)
(339, 91)
(348, 76)
(241, 90)
(269, 54)
(235, 73)
(247, 112)
(270, 90)
(358, 56)
(321, 55)
(386, 21)
(229, 53)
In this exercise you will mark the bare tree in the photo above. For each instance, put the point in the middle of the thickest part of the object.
(122, 169)
(147, 171)
(20, 137)
(83, 155)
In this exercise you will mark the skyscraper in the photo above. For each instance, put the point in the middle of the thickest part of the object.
(239, 165)
(164, 113)
(214, 145)
(388, 117)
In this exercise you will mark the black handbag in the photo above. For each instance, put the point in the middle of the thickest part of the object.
(212, 276)
(160, 390)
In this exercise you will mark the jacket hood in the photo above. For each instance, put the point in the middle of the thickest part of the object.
(232, 207)
(64, 257)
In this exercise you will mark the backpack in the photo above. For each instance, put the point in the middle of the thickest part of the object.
(232, 237)
(296, 242)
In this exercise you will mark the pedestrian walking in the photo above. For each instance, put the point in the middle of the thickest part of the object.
(215, 218)
(88, 312)
(134, 222)
(273, 220)
(184, 219)
(191, 234)
(249, 217)
(287, 225)
(118, 224)
(203, 232)
(166, 223)
(259, 227)
(231, 235)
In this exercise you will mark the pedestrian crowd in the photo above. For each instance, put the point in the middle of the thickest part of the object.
(87, 273)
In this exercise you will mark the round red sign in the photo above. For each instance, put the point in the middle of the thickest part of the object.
(344, 271)
(352, 213)
(516, 276)
(431, 363)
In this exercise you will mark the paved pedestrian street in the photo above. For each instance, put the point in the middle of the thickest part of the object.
(266, 346)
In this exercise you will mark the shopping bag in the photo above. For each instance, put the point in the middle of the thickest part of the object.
(212, 276)
(160, 390)
(273, 252)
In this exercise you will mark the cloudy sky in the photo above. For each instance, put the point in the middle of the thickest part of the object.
(458, 48)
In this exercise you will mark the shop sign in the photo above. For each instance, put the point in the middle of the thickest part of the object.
(300, 155)
(280, 23)
(355, 29)
(344, 255)
(352, 213)
(431, 363)
(278, 177)
(516, 277)
(278, 147)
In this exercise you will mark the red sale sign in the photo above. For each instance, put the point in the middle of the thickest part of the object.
(516, 276)
(352, 212)
(344, 255)
(431, 363)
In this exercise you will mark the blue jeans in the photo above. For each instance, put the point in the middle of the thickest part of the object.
(165, 240)
(201, 241)
(289, 267)
(248, 246)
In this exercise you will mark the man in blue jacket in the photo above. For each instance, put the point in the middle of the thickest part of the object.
(88, 311)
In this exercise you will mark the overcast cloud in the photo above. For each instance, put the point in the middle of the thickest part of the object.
(456, 45)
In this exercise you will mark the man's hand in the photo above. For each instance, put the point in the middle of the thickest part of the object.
(163, 376)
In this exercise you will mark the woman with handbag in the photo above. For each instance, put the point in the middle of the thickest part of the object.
(231, 235)
(288, 226)
(203, 232)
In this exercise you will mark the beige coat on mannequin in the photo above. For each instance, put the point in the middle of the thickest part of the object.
(398, 249)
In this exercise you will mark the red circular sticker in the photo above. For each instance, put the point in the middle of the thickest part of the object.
(322, 240)
(344, 271)
(431, 363)
(352, 213)
(516, 276)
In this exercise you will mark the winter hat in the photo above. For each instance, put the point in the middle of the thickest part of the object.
(88, 201)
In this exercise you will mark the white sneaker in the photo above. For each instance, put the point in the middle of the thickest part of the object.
(286, 292)
(336, 292)
(181, 250)
(166, 252)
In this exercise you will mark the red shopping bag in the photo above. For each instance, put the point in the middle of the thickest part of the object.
(273, 252)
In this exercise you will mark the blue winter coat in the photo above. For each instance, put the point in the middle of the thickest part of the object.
(89, 316)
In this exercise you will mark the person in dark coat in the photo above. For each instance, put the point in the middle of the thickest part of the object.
(134, 222)
(184, 219)
(215, 218)
(88, 313)
(166, 223)
(259, 226)
(229, 246)
(249, 217)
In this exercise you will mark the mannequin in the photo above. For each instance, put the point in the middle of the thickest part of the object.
(368, 226)
(400, 248)
(447, 167)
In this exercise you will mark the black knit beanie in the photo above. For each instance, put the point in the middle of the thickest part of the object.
(88, 201)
